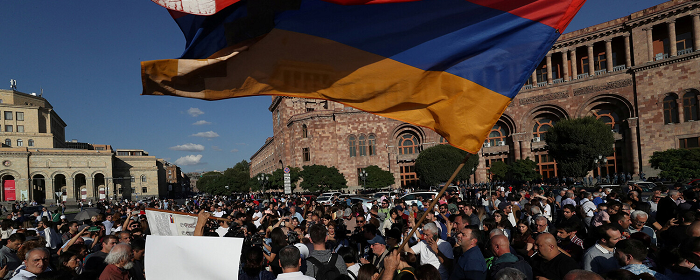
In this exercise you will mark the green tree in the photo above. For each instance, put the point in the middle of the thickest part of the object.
(239, 177)
(677, 163)
(378, 178)
(212, 183)
(575, 143)
(436, 164)
(277, 178)
(321, 178)
(523, 170)
(499, 170)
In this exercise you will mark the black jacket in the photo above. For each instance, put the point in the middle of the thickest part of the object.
(511, 260)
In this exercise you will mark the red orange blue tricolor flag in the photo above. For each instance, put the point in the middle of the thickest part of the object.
(449, 65)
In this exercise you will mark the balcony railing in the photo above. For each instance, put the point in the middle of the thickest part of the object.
(542, 84)
(660, 56)
(558, 81)
(527, 86)
(582, 76)
(685, 51)
(600, 72)
(619, 68)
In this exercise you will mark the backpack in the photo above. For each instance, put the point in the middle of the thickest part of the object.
(326, 270)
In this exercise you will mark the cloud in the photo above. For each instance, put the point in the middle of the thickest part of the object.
(190, 147)
(194, 112)
(216, 148)
(189, 160)
(201, 122)
(234, 150)
(208, 134)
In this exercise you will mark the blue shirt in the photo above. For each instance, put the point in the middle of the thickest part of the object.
(640, 268)
(471, 265)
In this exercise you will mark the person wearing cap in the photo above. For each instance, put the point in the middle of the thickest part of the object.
(378, 246)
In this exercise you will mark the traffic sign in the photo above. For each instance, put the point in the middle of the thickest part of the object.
(286, 170)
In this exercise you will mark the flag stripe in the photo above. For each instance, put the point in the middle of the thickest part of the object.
(547, 12)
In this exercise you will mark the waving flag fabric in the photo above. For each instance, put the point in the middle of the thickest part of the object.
(449, 65)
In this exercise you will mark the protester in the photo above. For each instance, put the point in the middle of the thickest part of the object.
(290, 261)
(36, 262)
(119, 261)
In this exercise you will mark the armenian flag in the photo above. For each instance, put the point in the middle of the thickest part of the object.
(449, 65)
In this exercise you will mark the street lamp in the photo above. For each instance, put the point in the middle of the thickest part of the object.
(600, 161)
(363, 176)
(263, 178)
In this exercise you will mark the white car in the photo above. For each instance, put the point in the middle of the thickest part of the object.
(412, 198)
(330, 194)
(324, 200)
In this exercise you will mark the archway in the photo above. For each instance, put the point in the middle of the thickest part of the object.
(60, 190)
(99, 186)
(8, 188)
(38, 192)
(80, 187)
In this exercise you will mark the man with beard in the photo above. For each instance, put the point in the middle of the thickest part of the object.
(119, 261)
(599, 257)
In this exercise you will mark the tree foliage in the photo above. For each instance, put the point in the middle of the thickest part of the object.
(212, 183)
(499, 170)
(436, 164)
(378, 178)
(575, 143)
(321, 178)
(277, 178)
(519, 170)
(236, 178)
(677, 163)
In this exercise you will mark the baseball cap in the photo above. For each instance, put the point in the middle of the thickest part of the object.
(377, 239)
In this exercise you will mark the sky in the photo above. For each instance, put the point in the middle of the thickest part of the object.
(86, 56)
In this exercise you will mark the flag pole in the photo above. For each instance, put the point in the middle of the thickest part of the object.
(432, 204)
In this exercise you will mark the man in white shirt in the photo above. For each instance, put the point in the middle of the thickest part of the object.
(440, 258)
(223, 228)
(218, 213)
(290, 261)
(588, 208)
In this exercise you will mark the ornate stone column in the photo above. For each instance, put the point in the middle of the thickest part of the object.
(574, 70)
(672, 37)
(591, 65)
(549, 68)
(628, 51)
(650, 44)
(534, 78)
(696, 32)
(565, 64)
(632, 141)
(516, 149)
(608, 55)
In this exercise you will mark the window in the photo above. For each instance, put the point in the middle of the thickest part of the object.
(372, 145)
(306, 154)
(408, 174)
(8, 115)
(670, 109)
(351, 146)
(443, 140)
(304, 131)
(143, 178)
(688, 143)
(277, 117)
(608, 117)
(497, 134)
(690, 106)
(133, 179)
(362, 143)
(8, 142)
(30, 143)
(541, 74)
(122, 153)
(408, 144)
(541, 126)
(170, 172)
(120, 190)
(20, 116)
(309, 109)
(8, 128)
(20, 128)
(19, 143)
(144, 190)
(546, 166)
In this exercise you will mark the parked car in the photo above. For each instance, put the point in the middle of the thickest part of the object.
(324, 200)
(330, 194)
(365, 200)
(412, 198)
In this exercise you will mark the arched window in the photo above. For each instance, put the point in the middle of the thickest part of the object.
(304, 131)
(541, 126)
(690, 105)
(30, 142)
(443, 140)
(408, 144)
(8, 142)
(19, 143)
(497, 135)
(608, 117)
(352, 146)
(670, 109)
(362, 143)
(372, 145)
(143, 178)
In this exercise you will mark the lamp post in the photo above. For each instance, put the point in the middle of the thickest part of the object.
(600, 161)
(263, 178)
(363, 176)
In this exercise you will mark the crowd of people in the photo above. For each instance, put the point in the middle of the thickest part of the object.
(512, 233)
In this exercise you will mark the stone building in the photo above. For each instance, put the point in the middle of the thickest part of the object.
(638, 73)
(38, 164)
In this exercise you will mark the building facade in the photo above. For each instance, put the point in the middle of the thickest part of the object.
(638, 73)
(38, 164)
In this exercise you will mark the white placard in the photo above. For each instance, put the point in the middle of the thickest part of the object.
(170, 224)
(192, 257)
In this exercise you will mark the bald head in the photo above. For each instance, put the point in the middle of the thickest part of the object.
(500, 245)
(694, 229)
(578, 274)
(546, 239)
(546, 245)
